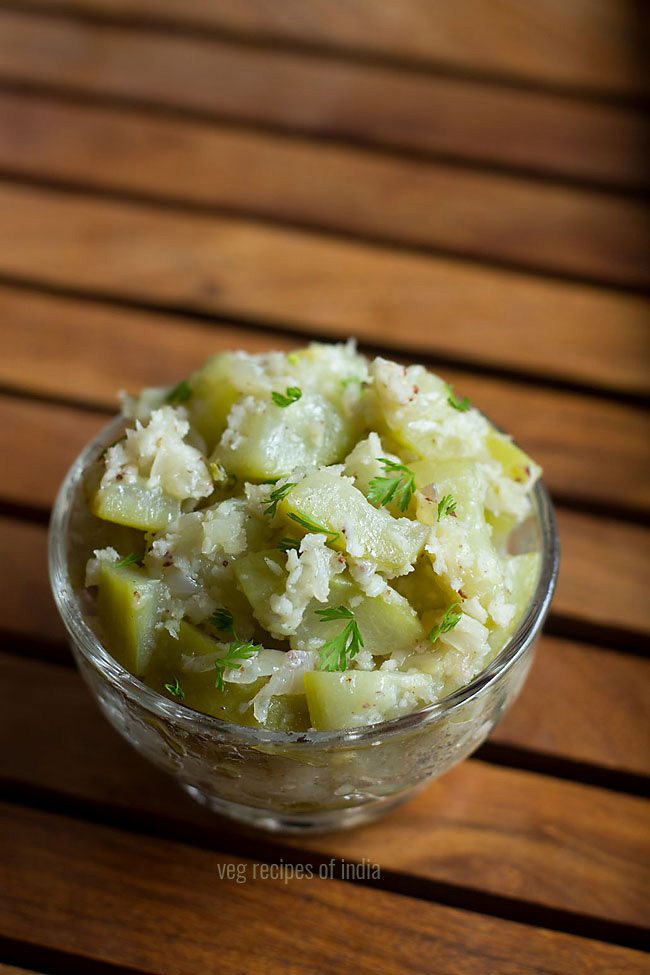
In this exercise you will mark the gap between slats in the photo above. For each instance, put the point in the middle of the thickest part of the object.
(283, 332)
(76, 354)
(310, 47)
(44, 960)
(633, 185)
(557, 233)
(381, 109)
(272, 850)
(635, 281)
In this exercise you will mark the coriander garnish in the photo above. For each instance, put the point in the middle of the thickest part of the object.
(223, 621)
(448, 622)
(293, 394)
(313, 526)
(132, 559)
(398, 485)
(276, 496)
(287, 544)
(336, 653)
(239, 650)
(460, 403)
(175, 689)
(180, 393)
(446, 506)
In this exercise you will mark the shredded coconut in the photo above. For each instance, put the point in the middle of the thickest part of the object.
(309, 574)
(94, 565)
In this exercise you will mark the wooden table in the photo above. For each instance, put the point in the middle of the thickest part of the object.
(456, 183)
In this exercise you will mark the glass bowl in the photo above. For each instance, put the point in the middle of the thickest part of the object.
(287, 781)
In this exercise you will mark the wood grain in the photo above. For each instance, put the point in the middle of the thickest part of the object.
(26, 586)
(580, 703)
(590, 44)
(604, 574)
(478, 821)
(375, 106)
(346, 191)
(435, 178)
(585, 705)
(67, 880)
(513, 833)
(229, 266)
(42, 442)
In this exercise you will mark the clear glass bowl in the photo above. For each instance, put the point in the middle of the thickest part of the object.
(281, 781)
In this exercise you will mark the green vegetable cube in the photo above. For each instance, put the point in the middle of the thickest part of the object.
(128, 603)
(346, 700)
(288, 712)
(352, 523)
(387, 622)
(273, 440)
(522, 573)
(258, 582)
(515, 463)
(134, 504)
(213, 396)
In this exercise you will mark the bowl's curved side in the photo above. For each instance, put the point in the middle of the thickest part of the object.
(284, 780)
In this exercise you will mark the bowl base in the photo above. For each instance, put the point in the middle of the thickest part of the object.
(325, 821)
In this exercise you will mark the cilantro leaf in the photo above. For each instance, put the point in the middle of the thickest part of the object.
(293, 394)
(398, 485)
(448, 622)
(132, 559)
(175, 689)
(460, 403)
(223, 621)
(276, 496)
(446, 506)
(286, 544)
(180, 393)
(335, 613)
(238, 651)
(335, 654)
(313, 526)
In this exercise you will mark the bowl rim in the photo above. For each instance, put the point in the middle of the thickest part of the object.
(84, 639)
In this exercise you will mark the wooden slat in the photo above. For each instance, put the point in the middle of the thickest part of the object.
(590, 45)
(42, 443)
(431, 115)
(561, 712)
(584, 704)
(343, 190)
(486, 822)
(512, 833)
(237, 267)
(65, 885)
(605, 573)
(565, 433)
(26, 585)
